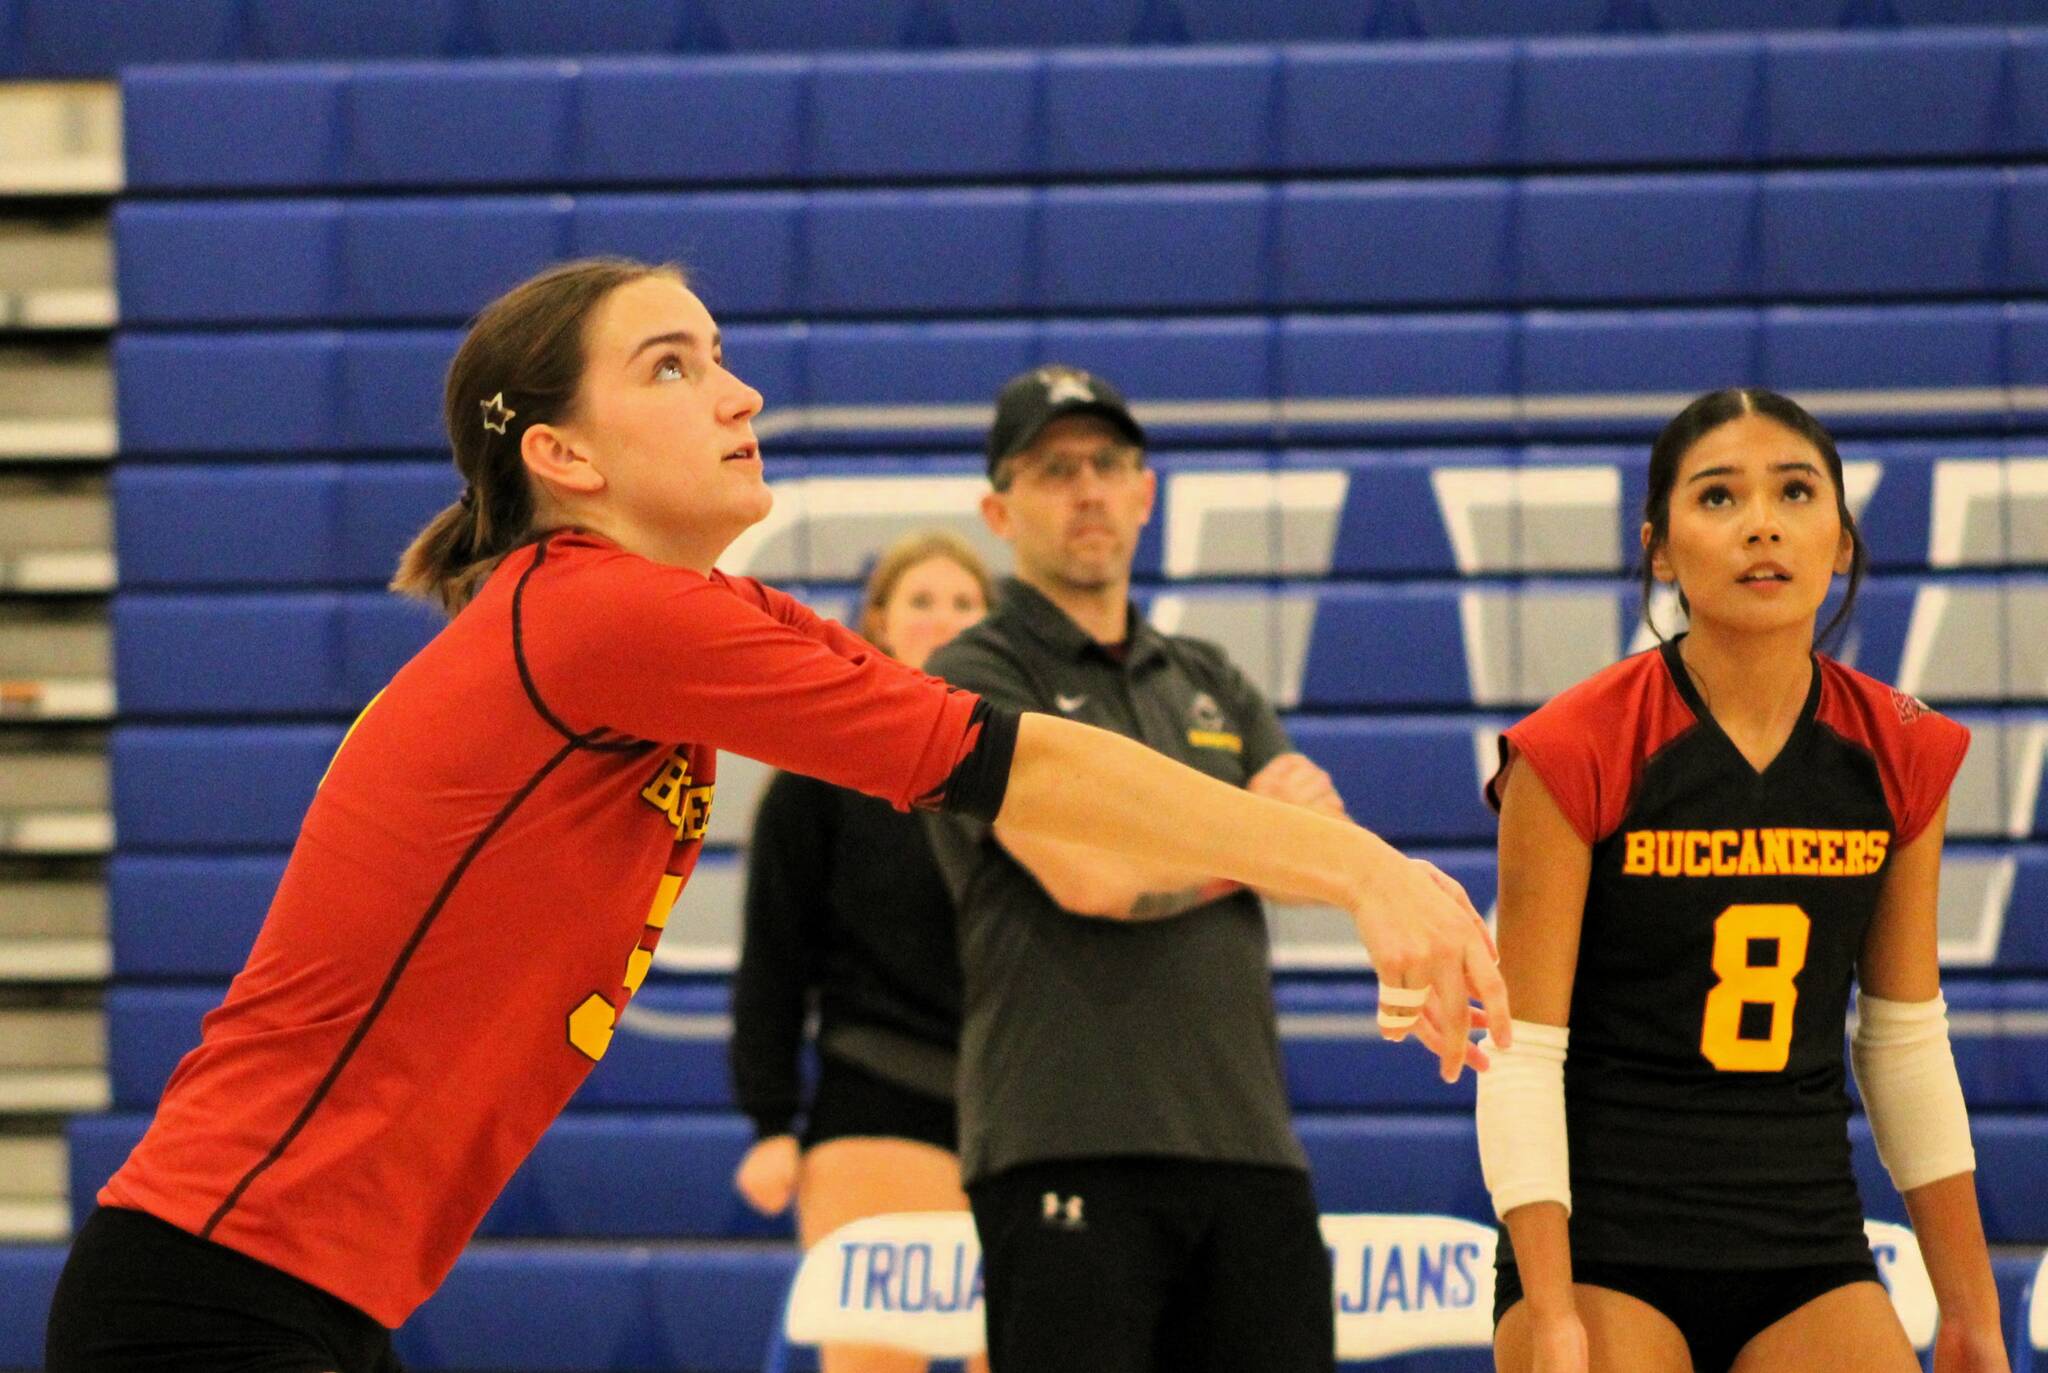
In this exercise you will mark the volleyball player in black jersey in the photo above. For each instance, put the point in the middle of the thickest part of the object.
(846, 914)
(1701, 848)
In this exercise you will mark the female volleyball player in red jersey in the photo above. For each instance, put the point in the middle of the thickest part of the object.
(480, 880)
(1700, 848)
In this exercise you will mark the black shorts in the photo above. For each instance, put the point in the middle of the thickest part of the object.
(1145, 1265)
(1717, 1310)
(853, 1101)
(139, 1295)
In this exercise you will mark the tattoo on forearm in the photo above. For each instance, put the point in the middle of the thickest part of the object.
(1162, 905)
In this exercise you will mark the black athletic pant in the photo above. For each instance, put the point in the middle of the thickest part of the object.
(1141, 1265)
(139, 1295)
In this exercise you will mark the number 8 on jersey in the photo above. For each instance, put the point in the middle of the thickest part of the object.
(1758, 952)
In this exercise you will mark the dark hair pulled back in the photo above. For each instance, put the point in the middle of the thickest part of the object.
(521, 364)
(1704, 415)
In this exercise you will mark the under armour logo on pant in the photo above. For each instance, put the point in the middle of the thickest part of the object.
(1063, 1214)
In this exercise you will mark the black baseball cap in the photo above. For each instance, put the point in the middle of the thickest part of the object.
(1031, 400)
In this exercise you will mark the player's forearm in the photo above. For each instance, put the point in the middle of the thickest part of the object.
(1950, 1229)
(1541, 1236)
(1089, 786)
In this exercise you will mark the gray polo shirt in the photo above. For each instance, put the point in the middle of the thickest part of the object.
(1084, 1037)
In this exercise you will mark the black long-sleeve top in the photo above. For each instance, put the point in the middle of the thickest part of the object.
(844, 908)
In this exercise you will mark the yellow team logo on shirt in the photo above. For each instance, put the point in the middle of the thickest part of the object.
(687, 807)
(1754, 853)
(1208, 728)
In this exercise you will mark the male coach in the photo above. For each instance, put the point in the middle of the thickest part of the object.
(1142, 1200)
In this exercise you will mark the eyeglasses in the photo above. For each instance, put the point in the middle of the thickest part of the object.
(1063, 469)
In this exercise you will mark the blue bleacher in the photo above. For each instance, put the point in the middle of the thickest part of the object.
(744, 250)
(1400, 288)
(368, 29)
(150, 1027)
(706, 1309)
(1157, 110)
(296, 525)
(1832, 97)
(996, 24)
(648, 1174)
(651, 120)
(48, 38)
(973, 115)
(1444, 645)
(28, 1279)
(317, 655)
(1623, 101)
(1808, 246)
(324, 656)
(1395, 242)
(1207, 358)
(521, 28)
(1826, 97)
(165, 112)
(1334, 376)
(1397, 106)
(1479, 242)
(1125, 248)
(395, 110)
(242, 787)
(1646, 238)
(278, 260)
(882, 253)
(334, 391)
(611, 1307)
(2027, 219)
(193, 915)
(216, 787)
(430, 262)
(1391, 774)
(1380, 646)
(670, 1052)
(185, 915)
(1388, 519)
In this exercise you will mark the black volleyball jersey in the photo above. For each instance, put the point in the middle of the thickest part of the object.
(1705, 1096)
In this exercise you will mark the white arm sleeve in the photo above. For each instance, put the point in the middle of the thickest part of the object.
(1907, 1073)
(1522, 1149)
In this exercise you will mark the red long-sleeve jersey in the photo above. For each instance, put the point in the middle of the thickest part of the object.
(477, 890)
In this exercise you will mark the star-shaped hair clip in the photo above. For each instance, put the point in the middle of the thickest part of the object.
(496, 414)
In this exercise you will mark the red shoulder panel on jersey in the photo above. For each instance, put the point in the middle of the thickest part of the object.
(1917, 750)
(1590, 742)
(665, 653)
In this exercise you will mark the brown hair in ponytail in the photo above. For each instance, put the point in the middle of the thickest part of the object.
(520, 365)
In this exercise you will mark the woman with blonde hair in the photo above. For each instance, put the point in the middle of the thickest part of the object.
(846, 915)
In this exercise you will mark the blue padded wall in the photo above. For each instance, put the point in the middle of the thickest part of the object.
(1402, 289)
(1783, 99)
(626, 1307)
(50, 38)
(1478, 242)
